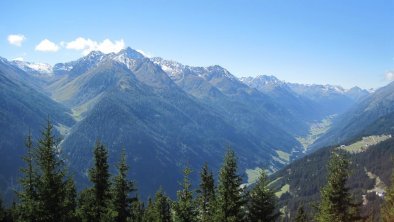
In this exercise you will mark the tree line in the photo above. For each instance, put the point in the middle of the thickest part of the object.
(47, 193)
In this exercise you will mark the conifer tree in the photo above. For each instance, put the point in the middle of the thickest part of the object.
(137, 211)
(150, 214)
(301, 215)
(162, 207)
(206, 195)
(262, 201)
(86, 205)
(70, 202)
(51, 182)
(230, 194)
(121, 191)
(27, 206)
(185, 207)
(96, 200)
(336, 203)
(387, 210)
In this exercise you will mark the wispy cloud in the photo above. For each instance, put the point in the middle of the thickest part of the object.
(18, 59)
(87, 45)
(389, 75)
(146, 54)
(47, 46)
(16, 39)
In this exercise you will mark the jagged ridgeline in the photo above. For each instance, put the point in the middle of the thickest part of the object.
(166, 115)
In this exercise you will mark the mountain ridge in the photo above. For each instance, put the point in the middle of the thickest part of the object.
(169, 117)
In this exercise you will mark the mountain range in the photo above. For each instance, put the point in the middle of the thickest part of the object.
(168, 115)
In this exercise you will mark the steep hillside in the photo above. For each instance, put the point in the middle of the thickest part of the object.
(222, 91)
(127, 100)
(371, 167)
(372, 115)
(166, 115)
(22, 108)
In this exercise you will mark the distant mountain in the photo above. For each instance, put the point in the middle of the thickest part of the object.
(357, 93)
(167, 115)
(37, 69)
(312, 100)
(125, 99)
(372, 115)
(23, 108)
(301, 106)
(222, 91)
(329, 98)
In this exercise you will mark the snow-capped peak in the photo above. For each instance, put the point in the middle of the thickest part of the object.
(171, 67)
(261, 80)
(131, 53)
(38, 69)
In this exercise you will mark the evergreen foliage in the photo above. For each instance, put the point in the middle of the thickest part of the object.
(137, 211)
(121, 190)
(262, 201)
(301, 215)
(86, 205)
(162, 207)
(336, 203)
(51, 185)
(28, 199)
(185, 206)
(47, 193)
(230, 199)
(95, 201)
(387, 210)
(206, 195)
(150, 214)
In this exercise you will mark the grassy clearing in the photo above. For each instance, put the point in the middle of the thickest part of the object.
(283, 155)
(283, 190)
(365, 143)
(253, 174)
(316, 130)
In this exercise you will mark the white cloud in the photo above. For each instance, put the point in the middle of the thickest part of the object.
(47, 46)
(18, 59)
(16, 39)
(389, 75)
(88, 45)
(146, 54)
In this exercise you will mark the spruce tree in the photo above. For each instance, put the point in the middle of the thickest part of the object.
(95, 201)
(70, 202)
(86, 205)
(162, 207)
(301, 215)
(387, 210)
(230, 199)
(150, 214)
(262, 201)
(336, 203)
(185, 207)
(137, 211)
(51, 186)
(121, 190)
(206, 195)
(28, 199)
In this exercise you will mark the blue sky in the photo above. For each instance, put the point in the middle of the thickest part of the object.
(344, 42)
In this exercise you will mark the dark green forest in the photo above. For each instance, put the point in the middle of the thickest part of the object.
(306, 177)
(47, 192)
